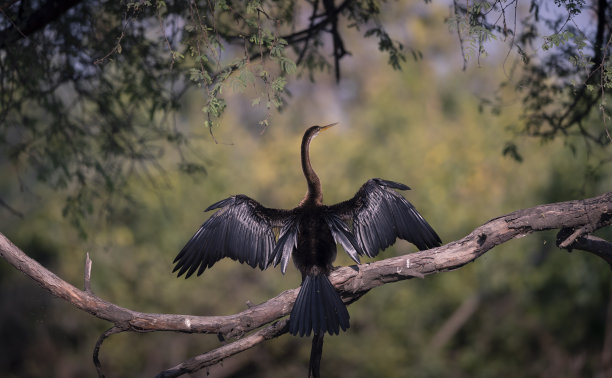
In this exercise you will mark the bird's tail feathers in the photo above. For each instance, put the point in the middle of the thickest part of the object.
(318, 308)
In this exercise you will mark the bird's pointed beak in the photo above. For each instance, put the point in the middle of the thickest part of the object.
(323, 128)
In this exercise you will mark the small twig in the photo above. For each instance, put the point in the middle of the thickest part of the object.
(16, 213)
(456, 10)
(7, 4)
(338, 44)
(315, 7)
(163, 31)
(512, 44)
(117, 46)
(570, 239)
(456, 321)
(96, 352)
(588, 243)
(87, 278)
(11, 21)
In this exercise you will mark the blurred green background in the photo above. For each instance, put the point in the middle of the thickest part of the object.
(525, 309)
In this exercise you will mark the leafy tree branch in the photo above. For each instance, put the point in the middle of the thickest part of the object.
(89, 90)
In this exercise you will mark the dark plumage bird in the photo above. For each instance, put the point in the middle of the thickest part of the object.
(243, 230)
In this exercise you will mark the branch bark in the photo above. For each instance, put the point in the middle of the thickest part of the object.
(576, 219)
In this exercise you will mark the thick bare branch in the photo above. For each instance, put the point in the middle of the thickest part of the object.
(579, 217)
(229, 326)
(215, 356)
(592, 214)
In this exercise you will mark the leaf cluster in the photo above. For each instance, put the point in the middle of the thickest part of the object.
(562, 81)
(89, 92)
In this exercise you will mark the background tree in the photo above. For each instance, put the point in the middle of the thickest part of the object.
(95, 120)
(99, 103)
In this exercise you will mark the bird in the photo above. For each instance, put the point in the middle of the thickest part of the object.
(242, 229)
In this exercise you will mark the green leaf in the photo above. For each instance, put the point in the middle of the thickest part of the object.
(288, 66)
(279, 84)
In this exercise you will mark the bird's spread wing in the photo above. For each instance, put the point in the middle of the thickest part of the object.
(241, 229)
(380, 215)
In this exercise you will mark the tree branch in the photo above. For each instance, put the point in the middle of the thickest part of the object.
(111, 331)
(571, 240)
(217, 355)
(227, 326)
(578, 218)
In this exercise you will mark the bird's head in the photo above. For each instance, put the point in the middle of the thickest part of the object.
(313, 131)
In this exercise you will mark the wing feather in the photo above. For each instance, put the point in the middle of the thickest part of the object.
(342, 235)
(241, 229)
(380, 215)
(287, 241)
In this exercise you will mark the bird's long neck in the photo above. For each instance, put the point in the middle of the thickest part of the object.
(314, 194)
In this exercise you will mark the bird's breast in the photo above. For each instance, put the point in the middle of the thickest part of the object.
(316, 248)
